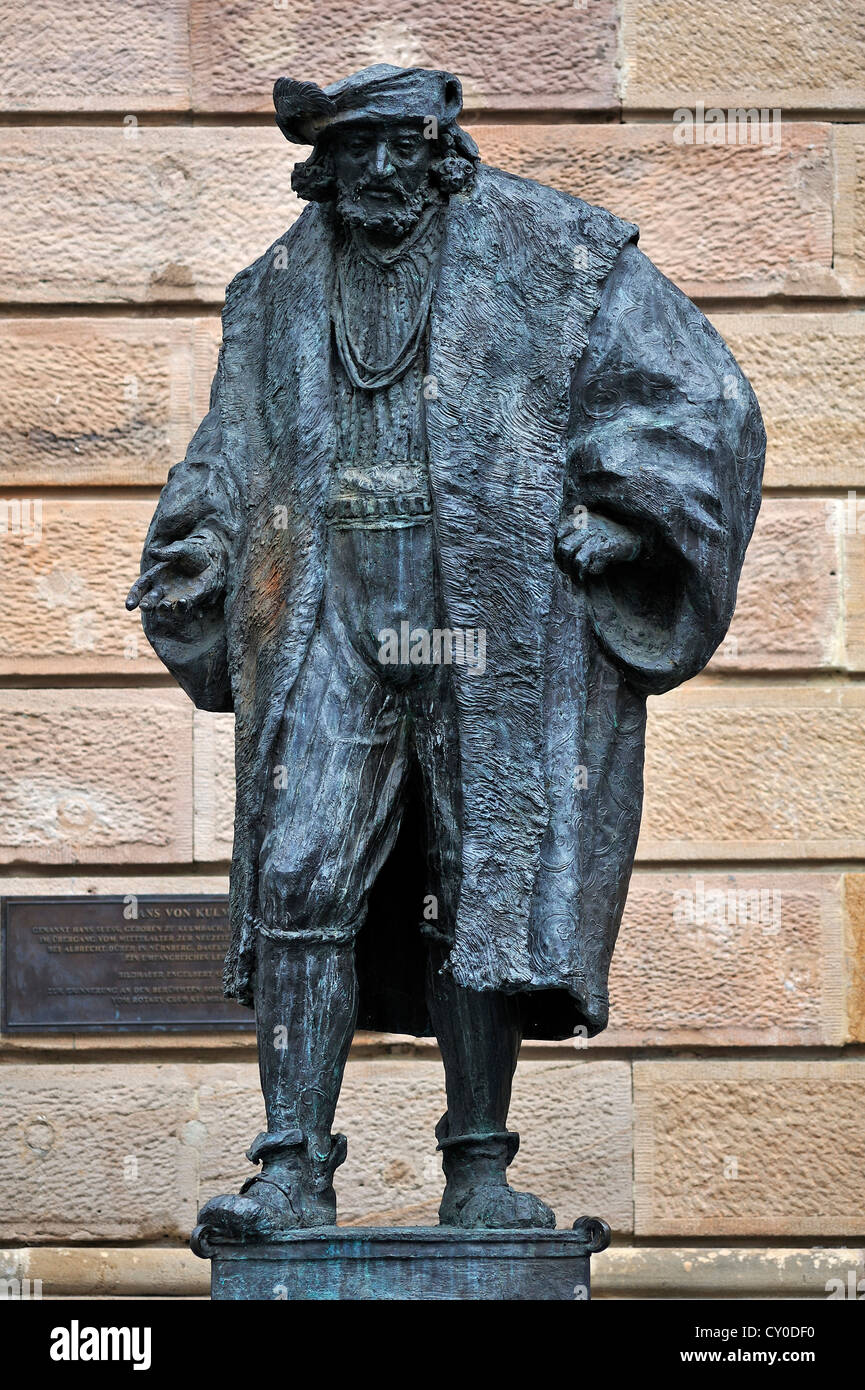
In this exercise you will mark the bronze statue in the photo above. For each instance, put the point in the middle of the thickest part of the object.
(475, 480)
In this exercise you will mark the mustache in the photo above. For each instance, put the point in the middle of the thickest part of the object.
(369, 183)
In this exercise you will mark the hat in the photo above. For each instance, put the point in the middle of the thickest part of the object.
(383, 93)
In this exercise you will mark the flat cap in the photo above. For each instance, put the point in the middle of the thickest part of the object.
(383, 92)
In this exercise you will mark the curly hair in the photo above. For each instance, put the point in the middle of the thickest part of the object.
(315, 178)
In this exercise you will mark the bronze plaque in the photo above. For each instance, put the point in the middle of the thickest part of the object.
(116, 965)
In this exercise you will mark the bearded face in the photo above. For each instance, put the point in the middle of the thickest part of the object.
(382, 177)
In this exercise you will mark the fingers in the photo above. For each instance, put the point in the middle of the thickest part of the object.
(194, 592)
(592, 556)
(139, 591)
(133, 598)
(571, 544)
(591, 547)
(598, 562)
(187, 556)
(572, 527)
(597, 556)
(177, 604)
(152, 598)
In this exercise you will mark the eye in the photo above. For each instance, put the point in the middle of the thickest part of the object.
(355, 144)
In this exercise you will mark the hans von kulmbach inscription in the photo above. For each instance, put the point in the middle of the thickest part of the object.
(115, 964)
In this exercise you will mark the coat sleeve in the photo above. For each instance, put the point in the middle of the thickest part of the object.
(200, 498)
(667, 438)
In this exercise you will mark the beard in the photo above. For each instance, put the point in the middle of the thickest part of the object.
(395, 218)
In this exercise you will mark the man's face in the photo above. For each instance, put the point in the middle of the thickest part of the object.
(382, 175)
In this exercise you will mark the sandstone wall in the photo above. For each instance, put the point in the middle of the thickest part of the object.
(718, 1123)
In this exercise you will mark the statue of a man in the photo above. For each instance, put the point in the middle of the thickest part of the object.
(475, 480)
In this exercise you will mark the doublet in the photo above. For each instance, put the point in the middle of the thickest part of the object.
(381, 564)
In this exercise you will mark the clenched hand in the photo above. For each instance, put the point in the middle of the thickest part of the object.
(588, 544)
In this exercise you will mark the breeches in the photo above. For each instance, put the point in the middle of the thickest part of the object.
(352, 732)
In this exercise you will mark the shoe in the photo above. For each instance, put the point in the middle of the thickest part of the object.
(477, 1194)
(293, 1191)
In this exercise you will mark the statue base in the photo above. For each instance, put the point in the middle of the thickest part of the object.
(407, 1263)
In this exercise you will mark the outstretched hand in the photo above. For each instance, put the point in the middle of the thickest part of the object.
(588, 544)
(188, 573)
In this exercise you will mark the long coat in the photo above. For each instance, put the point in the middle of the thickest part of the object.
(565, 371)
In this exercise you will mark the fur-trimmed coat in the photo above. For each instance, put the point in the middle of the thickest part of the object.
(567, 372)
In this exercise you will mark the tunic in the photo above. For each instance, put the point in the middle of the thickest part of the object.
(381, 564)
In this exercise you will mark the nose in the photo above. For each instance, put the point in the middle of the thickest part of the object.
(383, 165)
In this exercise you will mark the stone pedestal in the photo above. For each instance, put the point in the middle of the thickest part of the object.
(357, 1262)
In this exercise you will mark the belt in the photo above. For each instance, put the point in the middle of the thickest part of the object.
(405, 509)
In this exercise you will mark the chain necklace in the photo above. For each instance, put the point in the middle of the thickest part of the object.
(362, 374)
